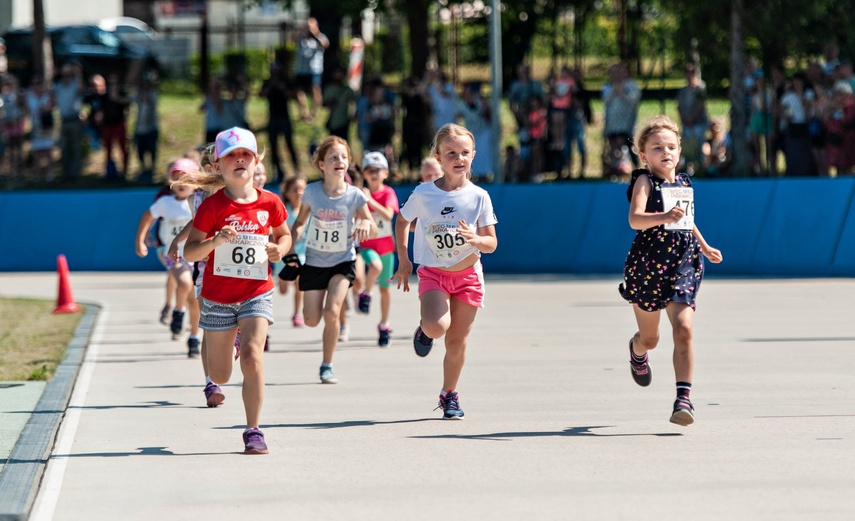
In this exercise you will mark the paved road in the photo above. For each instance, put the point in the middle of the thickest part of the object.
(555, 428)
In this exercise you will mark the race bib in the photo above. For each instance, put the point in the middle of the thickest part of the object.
(445, 243)
(684, 197)
(170, 228)
(384, 228)
(244, 257)
(327, 236)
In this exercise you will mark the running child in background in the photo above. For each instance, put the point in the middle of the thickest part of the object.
(175, 212)
(456, 224)
(153, 239)
(259, 179)
(430, 170)
(231, 229)
(379, 253)
(664, 266)
(329, 271)
(292, 195)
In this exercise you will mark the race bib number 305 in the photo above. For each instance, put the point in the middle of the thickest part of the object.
(244, 257)
(684, 197)
(327, 236)
(445, 243)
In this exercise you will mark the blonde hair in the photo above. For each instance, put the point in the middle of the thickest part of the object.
(325, 146)
(202, 180)
(208, 156)
(450, 130)
(654, 124)
(429, 161)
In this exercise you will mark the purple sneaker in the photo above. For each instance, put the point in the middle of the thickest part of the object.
(253, 441)
(214, 395)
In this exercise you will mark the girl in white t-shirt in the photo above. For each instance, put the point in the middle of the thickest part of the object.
(175, 212)
(456, 224)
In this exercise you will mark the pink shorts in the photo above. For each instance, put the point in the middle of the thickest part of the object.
(466, 285)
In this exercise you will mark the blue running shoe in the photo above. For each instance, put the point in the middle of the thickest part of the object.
(364, 303)
(177, 323)
(422, 343)
(450, 404)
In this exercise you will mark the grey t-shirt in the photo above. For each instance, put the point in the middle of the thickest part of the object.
(329, 232)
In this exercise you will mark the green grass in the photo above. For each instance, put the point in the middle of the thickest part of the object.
(32, 339)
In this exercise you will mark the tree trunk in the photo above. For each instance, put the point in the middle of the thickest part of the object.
(738, 115)
(39, 66)
(417, 18)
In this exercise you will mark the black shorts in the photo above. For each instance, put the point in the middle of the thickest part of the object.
(313, 278)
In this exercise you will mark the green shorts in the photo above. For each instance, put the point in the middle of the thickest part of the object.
(388, 261)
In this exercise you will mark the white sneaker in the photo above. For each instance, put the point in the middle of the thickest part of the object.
(344, 333)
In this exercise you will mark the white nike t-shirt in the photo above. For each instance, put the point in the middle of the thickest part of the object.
(175, 214)
(437, 243)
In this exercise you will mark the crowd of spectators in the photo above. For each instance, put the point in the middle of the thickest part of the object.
(805, 121)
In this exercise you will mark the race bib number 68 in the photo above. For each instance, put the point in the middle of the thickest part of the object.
(244, 257)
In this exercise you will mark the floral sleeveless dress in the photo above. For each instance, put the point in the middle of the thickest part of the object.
(662, 265)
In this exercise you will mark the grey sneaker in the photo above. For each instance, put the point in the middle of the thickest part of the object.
(327, 376)
(683, 412)
(450, 404)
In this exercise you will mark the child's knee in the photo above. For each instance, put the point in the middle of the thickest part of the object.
(648, 341)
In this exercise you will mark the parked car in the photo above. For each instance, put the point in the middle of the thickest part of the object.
(96, 50)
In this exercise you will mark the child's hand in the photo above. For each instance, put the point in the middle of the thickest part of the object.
(226, 234)
(405, 269)
(469, 233)
(142, 250)
(674, 214)
(362, 230)
(273, 253)
(172, 253)
(712, 254)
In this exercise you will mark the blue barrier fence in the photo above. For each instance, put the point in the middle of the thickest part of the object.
(764, 227)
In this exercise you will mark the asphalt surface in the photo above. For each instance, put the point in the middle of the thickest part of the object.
(555, 428)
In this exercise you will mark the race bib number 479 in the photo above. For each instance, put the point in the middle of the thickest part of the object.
(684, 197)
(244, 257)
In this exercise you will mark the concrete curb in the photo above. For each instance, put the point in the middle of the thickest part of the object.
(20, 477)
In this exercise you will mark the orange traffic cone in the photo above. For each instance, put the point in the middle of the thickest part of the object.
(64, 301)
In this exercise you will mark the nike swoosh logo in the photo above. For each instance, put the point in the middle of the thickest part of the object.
(446, 211)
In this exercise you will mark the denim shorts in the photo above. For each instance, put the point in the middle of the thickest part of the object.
(223, 317)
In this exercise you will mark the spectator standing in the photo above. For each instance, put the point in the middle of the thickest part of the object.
(14, 120)
(444, 103)
(309, 66)
(68, 93)
(93, 97)
(414, 124)
(561, 93)
(621, 97)
(522, 90)
(579, 118)
(114, 130)
(278, 90)
(40, 104)
(234, 106)
(795, 107)
(840, 128)
(212, 106)
(694, 120)
(536, 130)
(147, 128)
(339, 98)
(381, 116)
(475, 110)
(717, 150)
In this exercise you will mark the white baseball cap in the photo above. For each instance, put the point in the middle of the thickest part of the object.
(375, 159)
(233, 139)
